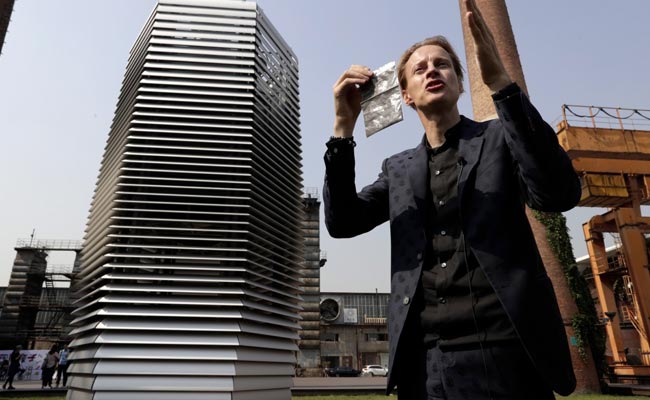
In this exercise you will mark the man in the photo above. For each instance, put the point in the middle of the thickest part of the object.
(472, 313)
(14, 367)
(63, 367)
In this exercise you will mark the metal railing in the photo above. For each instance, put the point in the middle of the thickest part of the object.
(374, 320)
(59, 269)
(49, 244)
(43, 304)
(645, 357)
(604, 117)
(310, 192)
(635, 321)
(610, 263)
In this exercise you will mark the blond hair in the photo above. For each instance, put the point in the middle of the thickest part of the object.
(438, 40)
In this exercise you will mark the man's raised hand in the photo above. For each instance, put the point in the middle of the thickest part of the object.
(489, 62)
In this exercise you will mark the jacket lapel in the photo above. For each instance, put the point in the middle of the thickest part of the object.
(417, 171)
(469, 152)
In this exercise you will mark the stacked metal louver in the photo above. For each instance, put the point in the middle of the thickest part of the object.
(188, 286)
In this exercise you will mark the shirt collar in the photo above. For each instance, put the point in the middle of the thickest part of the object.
(451, 138)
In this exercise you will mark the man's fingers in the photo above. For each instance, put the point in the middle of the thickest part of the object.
(473, 8)
(361, 68)
(342, 85)
(477, 33)
(476, 20)
(350, 78)
(481, 34)
(356, 74)
(355, 71)
(487, 55)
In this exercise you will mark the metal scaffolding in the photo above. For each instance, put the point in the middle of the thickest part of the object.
(610, 149)
(35, 306)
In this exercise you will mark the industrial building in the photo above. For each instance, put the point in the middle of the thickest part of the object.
(354, 329)
(35, 307)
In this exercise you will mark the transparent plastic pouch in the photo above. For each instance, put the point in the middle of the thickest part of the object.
(381, 100)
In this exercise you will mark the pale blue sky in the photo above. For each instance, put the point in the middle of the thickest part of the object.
(63, 64)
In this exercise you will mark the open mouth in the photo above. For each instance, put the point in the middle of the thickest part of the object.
(435, 85)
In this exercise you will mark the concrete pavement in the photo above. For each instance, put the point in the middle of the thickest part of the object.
(31, 388)
(302, 386)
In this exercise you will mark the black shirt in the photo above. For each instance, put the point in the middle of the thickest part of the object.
(458, 305)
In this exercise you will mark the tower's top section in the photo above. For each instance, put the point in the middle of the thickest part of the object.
(227, 11)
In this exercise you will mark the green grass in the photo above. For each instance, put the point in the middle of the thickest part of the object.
(382, 397)
(601, 397)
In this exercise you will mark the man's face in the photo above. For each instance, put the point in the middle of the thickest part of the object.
(431, 82)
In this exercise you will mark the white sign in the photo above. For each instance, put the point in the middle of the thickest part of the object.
(349, 315)
(30, 364)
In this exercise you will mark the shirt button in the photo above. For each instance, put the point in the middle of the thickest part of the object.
(406, 300)
(419, 257)
(335, 150)
(442, 300)
(443, 233)
(443, 265)
(438, 172)
(441, 203)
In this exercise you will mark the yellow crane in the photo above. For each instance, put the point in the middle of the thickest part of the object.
(610, 149)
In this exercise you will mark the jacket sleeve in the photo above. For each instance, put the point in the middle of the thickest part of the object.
(348, 213)
(547, 179)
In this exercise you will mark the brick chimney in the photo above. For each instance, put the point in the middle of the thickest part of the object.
(496, 16)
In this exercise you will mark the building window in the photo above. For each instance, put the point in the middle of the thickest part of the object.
(329, 337)
(376, 337)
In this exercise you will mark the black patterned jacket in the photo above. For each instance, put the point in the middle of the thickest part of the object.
(507, 162)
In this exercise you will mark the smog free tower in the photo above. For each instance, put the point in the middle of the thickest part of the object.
(188, 285)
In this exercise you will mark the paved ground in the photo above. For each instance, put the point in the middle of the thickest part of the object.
(31, 388)
(334, 385)
(31, 385)
(301, 386)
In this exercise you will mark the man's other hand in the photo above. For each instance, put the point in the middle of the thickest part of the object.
(347, 99)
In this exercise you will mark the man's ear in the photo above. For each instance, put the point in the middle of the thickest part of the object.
(407, 99)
